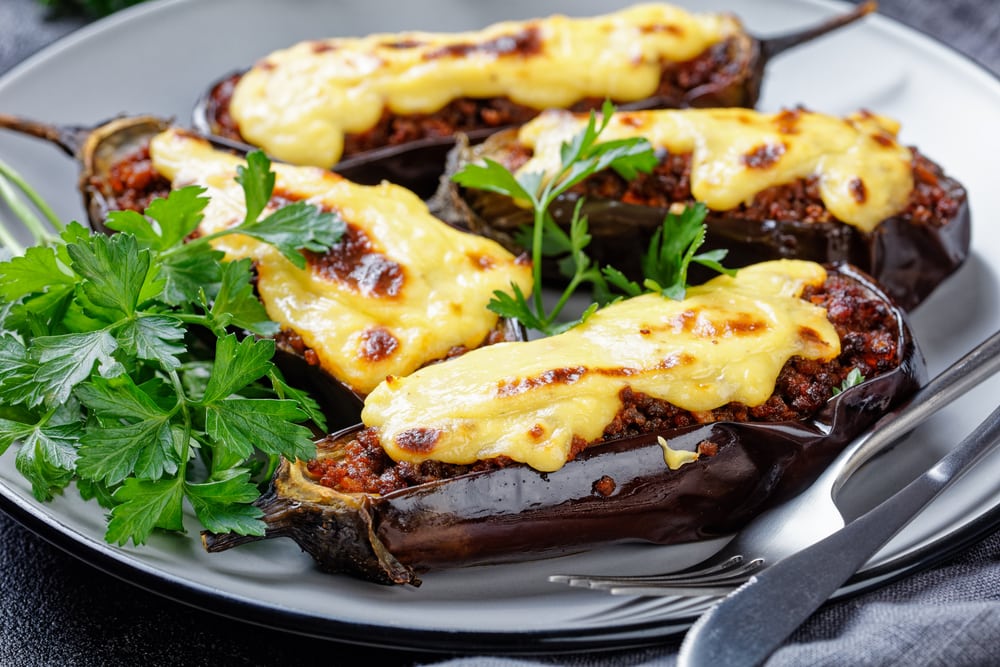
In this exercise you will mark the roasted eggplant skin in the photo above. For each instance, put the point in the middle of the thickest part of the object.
(517, 513)
(909, 259)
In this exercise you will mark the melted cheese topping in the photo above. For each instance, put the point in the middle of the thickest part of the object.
(864, 173)
(298, 103)
(725, 342)
(442, 278)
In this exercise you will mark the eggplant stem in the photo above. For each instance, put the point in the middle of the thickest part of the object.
(69, 138)
(773, 46)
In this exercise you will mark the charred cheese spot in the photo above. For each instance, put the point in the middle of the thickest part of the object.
(300, 107)
(354, 261)
(764, 156)
(736, 154)
(481, 261)
(883, 140)
(554, 376)
(787, 121)
(382, 301)
(858, 190)
(418, 440)
(524, 43)
(320, 47)
(490, 401)
(377, 344)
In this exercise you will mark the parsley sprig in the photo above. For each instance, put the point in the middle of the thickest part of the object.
(581, 157)
(671, 251)
(665, 264)
(105, 380)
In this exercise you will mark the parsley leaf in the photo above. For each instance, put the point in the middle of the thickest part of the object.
(114, 271)
(118, 398)
(144, 505)
(46, 458)
(237, 364)
(153, 338)
(294, 227)
(112, 453)
(242, 422)
(37, 270)
(17, 373)
(221, 504)
(235, 303)
(189, 274)
(853, 379)
(290, 229)
(67, 360)
(258, 184)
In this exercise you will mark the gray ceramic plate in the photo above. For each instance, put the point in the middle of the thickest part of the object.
(158, 58)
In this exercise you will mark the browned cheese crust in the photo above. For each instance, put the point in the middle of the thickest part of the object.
(868, 332)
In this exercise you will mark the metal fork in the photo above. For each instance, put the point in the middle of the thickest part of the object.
(811, 515)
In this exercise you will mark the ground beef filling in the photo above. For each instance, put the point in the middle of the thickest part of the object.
(714, 66)
(930, 203)
(868, 333)
(132, 183)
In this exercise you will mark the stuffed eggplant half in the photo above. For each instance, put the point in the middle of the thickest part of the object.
(654, 420)
(793, 184)
(405, 95)
(399, 290)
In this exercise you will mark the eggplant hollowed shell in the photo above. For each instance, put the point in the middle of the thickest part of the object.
(417, 164)
(618, 491)
(908, 259)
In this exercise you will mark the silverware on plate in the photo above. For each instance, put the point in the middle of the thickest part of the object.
(752, 621)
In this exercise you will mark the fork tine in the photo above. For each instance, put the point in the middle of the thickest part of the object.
(730, 578)
(669, 586)
(693, 592)
(731, 569)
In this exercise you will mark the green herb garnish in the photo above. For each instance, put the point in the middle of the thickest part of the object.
(665, 264)
(853, 379)
(105, 380)
(671, 252)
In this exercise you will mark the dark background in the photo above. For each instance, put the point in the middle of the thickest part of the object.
(57, 610)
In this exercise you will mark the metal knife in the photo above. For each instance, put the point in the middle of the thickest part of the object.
(746, 626)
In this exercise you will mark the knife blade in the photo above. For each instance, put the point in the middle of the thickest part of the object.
(749, 624)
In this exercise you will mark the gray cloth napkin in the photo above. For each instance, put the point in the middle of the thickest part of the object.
(946, 616)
